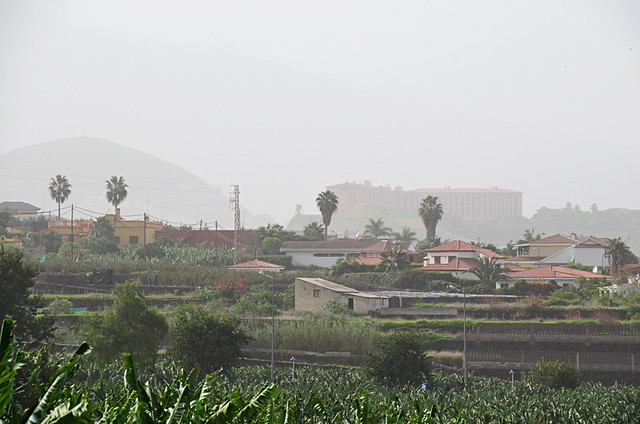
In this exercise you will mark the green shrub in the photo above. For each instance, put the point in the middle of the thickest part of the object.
(564, 298)
(555, 375)
(399, 358)
(59, 306)
(206, 338)
(129, 326)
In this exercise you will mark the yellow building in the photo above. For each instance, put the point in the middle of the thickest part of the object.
(126, 232)
(134, 232)
(80, 229)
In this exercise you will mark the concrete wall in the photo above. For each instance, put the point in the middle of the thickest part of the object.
(306, 301)
(364, 305)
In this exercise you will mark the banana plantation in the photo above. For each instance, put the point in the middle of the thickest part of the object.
(39, 387)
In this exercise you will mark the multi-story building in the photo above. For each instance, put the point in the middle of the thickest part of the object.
(127, 232)
(470, 204)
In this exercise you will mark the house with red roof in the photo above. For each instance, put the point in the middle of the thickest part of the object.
(560, 249)
(256, 265)
(560, 274)
(457, 257)
(371, 255)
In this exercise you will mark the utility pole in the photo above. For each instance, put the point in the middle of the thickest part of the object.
(144, 237)
(234, 204)
(72, 231)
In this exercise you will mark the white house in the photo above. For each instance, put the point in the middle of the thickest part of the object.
(559, 249)
(457, 257)
(324, 253)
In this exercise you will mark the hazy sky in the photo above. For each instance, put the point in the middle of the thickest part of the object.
(287, 97)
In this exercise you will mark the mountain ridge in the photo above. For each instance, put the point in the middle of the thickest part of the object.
(158, 187)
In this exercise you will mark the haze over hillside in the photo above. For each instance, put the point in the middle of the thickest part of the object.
(284, 100)
(166, 191)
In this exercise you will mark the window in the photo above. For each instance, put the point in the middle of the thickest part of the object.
(117, 239)
(504, 285)
(436, 260)
(316, 293)
(133, 239)
(350, 303)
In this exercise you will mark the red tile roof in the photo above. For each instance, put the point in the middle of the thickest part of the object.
(386, 244)
(256, 264)
(554, 239)
(367, 260)
(463, 246)
(512, 267)
(601, 240)
(553, 272)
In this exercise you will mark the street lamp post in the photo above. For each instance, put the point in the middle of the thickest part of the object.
(273, 321)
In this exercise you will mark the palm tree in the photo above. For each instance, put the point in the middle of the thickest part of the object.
(314, 230)
(619, 254)
(59, 190)
(488, 270)
(528, 236)
(430, 211)
(394, 259)
(116, 190)
(407, 234)
(327, 203)
(375, 228)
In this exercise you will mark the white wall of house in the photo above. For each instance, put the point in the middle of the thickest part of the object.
(589, 256)
(434, 258)
(312, 258)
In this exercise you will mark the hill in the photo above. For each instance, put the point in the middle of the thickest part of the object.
(613, 222)
(164, 190)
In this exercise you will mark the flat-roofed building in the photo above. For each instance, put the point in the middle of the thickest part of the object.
(471, 204)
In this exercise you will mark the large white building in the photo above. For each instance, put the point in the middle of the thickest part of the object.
(470, 204)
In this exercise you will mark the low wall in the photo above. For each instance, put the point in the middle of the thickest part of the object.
(435, 312)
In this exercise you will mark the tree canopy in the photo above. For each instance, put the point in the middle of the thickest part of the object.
(430, 211)
(116, 190)
(406, 234)
(59, 190)
(129, 326)
(376, 228)
(327, 203)
(314, 230)
(206, 338)
(619, 254)
(399, 359)
(488, 270)
(394, 259)
(16, 279)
